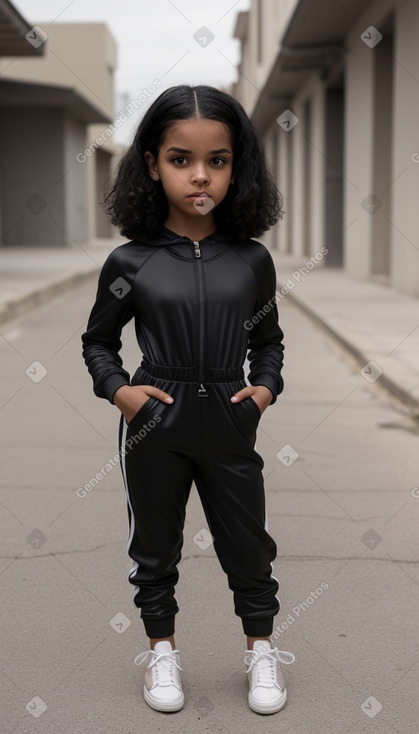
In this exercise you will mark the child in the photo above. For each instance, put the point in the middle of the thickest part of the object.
(189, 194)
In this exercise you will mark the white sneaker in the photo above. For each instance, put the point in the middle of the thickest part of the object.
(267, 692)
(162, 684)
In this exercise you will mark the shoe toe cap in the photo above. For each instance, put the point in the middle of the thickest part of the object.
(166, 693)
(267, 695)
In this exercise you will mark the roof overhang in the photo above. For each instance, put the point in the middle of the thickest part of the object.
(313, 40)
(29, 94)
(13, 31)
(242, 25)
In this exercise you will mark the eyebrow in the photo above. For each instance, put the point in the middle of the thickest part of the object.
(183, 150)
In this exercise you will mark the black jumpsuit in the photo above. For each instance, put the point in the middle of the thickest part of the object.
(198, 307)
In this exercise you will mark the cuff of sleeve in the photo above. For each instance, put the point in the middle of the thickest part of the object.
(112, 384)
(274, 384)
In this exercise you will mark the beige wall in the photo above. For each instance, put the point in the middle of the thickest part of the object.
(39, 148)
(405, 188)
(29, 170)
(275, 16)
(74, 183)
(78, 55)
(379, 129)
(362, 123)
(99, 168)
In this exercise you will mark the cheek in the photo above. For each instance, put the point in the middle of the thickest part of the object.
(173, 179)
(224, 176)
(225, 185)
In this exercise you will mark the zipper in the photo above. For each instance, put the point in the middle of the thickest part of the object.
(201, 391)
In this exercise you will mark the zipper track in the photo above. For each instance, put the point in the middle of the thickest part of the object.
(201, 391)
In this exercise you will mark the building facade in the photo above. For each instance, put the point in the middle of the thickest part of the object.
(54, 106)
(333, 90)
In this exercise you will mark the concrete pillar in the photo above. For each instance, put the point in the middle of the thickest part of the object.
(283, 183)
(103, 172)
(297, 143)
(269, 146)
(333, 210)
(316, 135)
(382, 141)
(358, 158)
(404, 229)
(76, 203)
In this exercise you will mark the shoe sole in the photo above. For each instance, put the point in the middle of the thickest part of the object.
(168, 706)
(261, 708)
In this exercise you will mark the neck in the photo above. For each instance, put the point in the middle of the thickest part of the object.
(195, 229)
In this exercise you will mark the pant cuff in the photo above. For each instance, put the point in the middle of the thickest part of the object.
(163, 627)
(258, 626)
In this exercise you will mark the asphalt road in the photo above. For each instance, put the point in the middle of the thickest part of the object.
(343, 500)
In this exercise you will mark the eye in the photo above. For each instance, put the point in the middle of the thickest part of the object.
(178, 160)
(220, 161)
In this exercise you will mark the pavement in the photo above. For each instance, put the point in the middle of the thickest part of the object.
(377, 324)
(340, 467)
(30, 276)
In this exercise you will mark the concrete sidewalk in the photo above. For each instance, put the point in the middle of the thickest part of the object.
(30, 276)
(378, 325)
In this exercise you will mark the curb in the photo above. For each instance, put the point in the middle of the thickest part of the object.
(19, 305)
(395, 386)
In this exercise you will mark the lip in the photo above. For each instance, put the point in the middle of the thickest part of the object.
(199, 195)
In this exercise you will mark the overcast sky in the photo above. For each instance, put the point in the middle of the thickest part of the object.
(155, 40)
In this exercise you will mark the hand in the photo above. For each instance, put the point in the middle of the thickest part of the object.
(130, 398)
(261, 394)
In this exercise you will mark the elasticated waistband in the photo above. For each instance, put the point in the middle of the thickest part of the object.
(191, 374)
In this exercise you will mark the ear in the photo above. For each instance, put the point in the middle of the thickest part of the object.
(152, 165)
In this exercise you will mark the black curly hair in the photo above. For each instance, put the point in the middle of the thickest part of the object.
(138, 205)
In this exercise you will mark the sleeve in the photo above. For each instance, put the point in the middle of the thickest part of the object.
(101, 341)
(266, 346)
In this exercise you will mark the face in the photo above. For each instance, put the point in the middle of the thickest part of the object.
(194, 165)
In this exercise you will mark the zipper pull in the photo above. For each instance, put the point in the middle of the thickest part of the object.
(197, 250)
(202, 392)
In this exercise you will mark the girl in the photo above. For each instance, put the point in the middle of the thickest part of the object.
(189, 194)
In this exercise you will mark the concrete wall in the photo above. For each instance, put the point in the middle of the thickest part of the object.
(382, 107)
(31, 154)
(306, 158)
(74, 182)
(275, 17)
(103, 171)
(99, 167)
(349, 170)
(39, 148)
(284, 231)
(359, 153)
(317, 150)
(404, 231)
(78, 55)
(38, 153)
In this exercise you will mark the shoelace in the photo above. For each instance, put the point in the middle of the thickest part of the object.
(164, 671)
(266, 671)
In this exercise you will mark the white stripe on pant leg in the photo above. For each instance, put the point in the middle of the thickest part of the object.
(272, 567)
(131, 513)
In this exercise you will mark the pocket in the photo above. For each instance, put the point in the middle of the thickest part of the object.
(139, 411)
(253, 402)
(251, 408)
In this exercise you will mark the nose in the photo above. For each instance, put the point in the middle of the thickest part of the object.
(200, 174)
